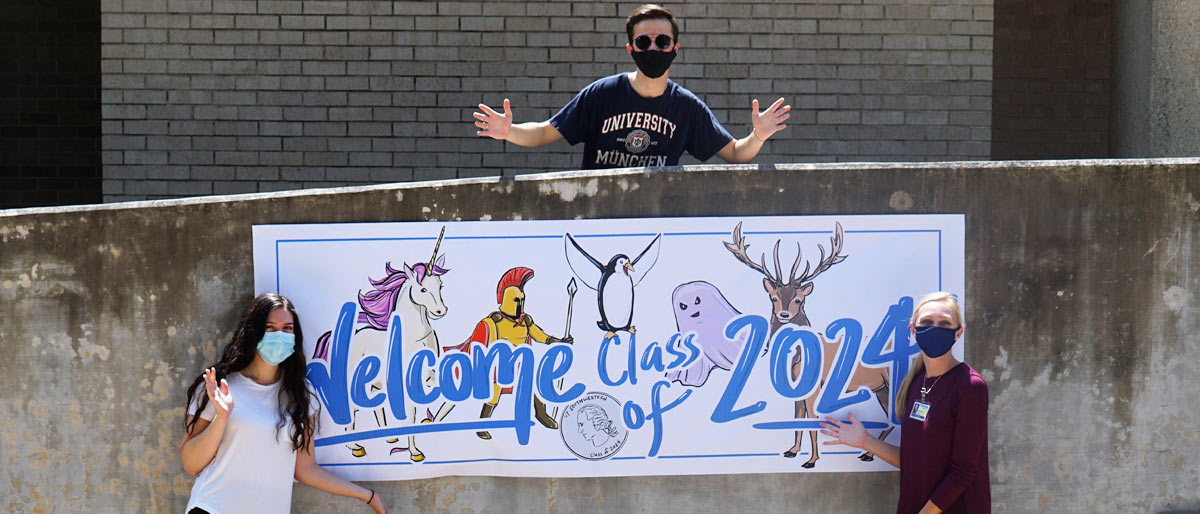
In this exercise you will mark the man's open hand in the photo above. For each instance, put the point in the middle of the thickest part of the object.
(768, 122)
(495, 125)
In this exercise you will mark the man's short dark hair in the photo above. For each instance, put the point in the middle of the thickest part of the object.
(650, 12)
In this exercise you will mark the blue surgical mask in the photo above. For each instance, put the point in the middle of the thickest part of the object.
(935, 341)
(276, 346)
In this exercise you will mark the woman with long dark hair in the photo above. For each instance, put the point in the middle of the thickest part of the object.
(943, 452)
(251, 430)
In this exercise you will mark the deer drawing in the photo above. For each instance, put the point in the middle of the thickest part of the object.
(787, 306)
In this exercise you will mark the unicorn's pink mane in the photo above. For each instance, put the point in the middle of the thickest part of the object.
(378, 304)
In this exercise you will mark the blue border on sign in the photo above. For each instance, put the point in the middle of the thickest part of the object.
(328, 441)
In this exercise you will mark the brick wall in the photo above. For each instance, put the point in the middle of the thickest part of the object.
(228, 96)
(1053, 79)
(49, 103)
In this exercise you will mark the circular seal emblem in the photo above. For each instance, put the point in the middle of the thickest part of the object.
(637, 141)
(591, 426)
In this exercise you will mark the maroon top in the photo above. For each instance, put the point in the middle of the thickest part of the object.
(945, 457)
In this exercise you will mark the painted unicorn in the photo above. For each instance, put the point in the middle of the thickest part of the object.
(415, 294)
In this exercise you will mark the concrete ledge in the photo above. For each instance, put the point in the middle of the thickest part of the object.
(559, 175)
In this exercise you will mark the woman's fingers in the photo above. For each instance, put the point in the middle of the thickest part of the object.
(832, 428)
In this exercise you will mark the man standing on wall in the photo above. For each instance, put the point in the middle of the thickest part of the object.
(639, 118)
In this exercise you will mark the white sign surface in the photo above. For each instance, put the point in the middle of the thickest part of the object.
(657, 346)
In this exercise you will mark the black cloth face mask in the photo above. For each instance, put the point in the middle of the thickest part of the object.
(653, 63)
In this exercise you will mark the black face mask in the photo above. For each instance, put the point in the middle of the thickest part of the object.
(653, 63)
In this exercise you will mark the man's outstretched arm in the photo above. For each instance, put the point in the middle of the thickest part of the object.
(766, 123)
(500, 126)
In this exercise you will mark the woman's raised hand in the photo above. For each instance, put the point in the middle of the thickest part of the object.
(851, 433)
(220, 397)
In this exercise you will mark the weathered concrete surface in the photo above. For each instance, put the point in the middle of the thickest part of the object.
(1082, 283)
(1157, 80)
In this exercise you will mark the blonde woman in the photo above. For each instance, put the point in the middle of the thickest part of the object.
(943, 452)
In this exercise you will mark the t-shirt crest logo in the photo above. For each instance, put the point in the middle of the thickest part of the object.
(637, 141)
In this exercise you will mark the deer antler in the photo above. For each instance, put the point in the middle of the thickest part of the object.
(738, 248)
(835, 246)
(795, 265)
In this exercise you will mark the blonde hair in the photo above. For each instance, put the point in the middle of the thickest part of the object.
(939, 296)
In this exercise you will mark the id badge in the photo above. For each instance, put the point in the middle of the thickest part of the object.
(919, 410)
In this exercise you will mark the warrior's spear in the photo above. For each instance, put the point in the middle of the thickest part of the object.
(571, 289)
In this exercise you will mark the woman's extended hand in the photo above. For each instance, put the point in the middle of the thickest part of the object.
(220, 397)
(850, 433)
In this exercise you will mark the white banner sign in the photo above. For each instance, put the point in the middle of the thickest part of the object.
(572, 348)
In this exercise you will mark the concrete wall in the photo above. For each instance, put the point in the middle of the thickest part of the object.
(230, 96)
(1155, 108)
(1082, 282)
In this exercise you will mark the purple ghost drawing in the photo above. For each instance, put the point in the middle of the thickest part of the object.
(701, 308)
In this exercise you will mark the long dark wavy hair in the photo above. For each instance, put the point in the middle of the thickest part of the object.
(294, 395)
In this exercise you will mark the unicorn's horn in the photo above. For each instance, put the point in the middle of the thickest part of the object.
(433, 259)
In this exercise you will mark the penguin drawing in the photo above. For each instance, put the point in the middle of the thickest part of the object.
(613, 282)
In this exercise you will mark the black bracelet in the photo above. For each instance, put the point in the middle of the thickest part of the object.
(372, 497)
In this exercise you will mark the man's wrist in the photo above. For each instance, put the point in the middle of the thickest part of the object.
(754, 134)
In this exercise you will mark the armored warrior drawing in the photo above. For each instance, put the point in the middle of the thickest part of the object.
(512, 324)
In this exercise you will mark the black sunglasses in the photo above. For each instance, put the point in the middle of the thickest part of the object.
(661, 41)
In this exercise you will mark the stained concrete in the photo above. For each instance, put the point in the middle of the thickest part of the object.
(1082, 283)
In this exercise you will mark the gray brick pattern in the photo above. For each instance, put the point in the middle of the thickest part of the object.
(230, 96)
(49, 103)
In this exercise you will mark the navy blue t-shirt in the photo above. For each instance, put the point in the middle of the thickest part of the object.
(622, 129)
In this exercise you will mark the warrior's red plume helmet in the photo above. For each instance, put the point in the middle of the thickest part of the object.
(514, 277)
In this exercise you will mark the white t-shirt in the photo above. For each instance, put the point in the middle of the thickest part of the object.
(253, 469)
